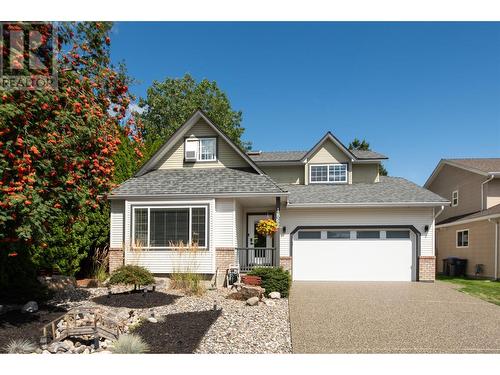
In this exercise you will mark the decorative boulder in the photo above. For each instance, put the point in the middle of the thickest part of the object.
(275, 295)
(252, 301)
(152, 320)
(30, 307)
(251, 291)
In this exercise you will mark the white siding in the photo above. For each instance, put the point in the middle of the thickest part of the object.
(116, 224)
(224, 223)
(168, 261)
(240, 225)
(418, 217)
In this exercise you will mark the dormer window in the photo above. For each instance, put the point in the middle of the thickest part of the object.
(200, 149)
(328, 173)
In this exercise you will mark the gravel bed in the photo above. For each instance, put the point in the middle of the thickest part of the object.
(236, 328)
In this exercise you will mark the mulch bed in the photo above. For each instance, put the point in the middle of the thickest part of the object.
(16, 325)
(136, 299)
(178, 333)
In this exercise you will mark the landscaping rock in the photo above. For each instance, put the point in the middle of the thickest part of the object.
(30, 307)
(251, 291)
(80, 349)
(275, 295)
(46, 352)
(152, 320)
(268, 302)
(252, 301)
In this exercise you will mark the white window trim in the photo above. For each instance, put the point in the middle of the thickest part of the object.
(190, 207)
(452, 198)
(198, 153)
(456, 238)
(328, 173)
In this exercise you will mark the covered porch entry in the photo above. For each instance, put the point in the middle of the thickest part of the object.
(253, 249)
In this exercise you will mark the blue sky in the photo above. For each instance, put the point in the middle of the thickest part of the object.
(418, 92)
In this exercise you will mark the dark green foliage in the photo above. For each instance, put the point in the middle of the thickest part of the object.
(274, 279)
(18, 283)
(363, 145)
(132, 275)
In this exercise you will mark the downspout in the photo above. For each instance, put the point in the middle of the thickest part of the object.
(497, 250)
(491, 177)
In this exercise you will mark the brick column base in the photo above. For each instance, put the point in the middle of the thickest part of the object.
(115, 259)
(427, 268)
(286, 263)
(224, 257)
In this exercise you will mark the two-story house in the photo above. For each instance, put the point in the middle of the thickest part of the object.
(338, 218)
(469, 228)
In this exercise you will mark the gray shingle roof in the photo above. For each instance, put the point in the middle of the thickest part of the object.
(494, 210)
(360, 154)
(277, 156)
(483, 164)
(388, 190)
(196, 182)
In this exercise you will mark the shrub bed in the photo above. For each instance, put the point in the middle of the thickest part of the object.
(274, 279)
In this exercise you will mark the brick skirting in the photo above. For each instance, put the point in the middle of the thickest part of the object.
(427, 268)
(115, 259)
(224, 257)
(286, 263)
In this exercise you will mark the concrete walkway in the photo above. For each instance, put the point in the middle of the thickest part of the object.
(390, 317)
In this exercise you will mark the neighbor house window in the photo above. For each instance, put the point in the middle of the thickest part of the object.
(169, 227)
(463, 238)
(368, 234)
(454, 198)
(203, 149)
(328, 173)
(309, 235)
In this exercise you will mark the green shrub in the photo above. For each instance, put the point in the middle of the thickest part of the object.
(132, 275)
(129, 344)
(274, 279)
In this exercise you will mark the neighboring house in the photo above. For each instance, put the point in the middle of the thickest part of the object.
(338, 218)
(469, 228)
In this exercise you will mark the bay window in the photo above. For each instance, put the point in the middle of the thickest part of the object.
(169, 227)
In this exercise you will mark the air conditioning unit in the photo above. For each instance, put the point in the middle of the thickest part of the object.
(190, 155)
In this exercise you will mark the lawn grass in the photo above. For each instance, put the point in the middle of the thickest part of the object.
(484, 289)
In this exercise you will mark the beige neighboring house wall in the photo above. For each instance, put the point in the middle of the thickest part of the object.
(226, 155)
(492, 193)
(468, 185)
(367, 173)
(293, 174)
(480, 250)
(328, 153)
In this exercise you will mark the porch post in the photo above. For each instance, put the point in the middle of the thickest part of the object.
(277, 234)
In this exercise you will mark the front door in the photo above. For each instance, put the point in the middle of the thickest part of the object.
(258, 242)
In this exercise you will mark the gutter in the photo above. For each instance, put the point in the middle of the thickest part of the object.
(218, 195)
(491, 177)
(340, 205)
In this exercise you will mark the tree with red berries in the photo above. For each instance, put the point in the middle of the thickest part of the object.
(58, 150)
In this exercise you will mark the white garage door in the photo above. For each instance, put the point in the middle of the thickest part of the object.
(350, 255)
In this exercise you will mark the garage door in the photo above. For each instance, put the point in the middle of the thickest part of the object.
(352, 255)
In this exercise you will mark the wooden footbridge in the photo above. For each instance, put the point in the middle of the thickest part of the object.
(77, 324)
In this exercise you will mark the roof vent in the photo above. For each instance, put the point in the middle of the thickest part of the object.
(254, 152)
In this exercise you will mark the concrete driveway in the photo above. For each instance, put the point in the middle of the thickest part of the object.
(390, 317)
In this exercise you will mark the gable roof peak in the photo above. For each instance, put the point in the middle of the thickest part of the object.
(181, 131)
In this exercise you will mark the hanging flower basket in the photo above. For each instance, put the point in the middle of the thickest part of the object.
(267, 227)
